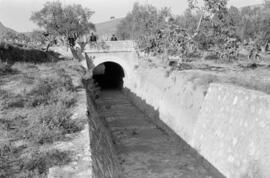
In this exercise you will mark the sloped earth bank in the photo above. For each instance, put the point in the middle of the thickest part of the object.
(144, 150)
(80, 166)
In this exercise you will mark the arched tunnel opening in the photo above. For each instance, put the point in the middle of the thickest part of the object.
(109, 75)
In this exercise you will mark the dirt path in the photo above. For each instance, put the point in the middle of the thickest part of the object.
(145, 151)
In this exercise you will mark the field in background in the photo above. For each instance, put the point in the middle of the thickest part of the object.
(246, 73)
(106, 29)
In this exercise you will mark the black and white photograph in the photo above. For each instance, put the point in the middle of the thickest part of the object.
(134, 88)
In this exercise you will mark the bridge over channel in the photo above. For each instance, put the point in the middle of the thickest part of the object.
(119, 57)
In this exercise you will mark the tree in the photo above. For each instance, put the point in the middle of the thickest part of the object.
(23, 38)
(142, 21)
(213, 10)
(38, 36)
(10, 36)
(125, 28)
(219, 25)
(263, 30)
(145, 24)
(16, 37)
(206, 25)
(254, 25)
(70, 22)
(43, 38)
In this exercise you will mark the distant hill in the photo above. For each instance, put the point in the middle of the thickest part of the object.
(106, 29)
(253, 6)
(4, 30)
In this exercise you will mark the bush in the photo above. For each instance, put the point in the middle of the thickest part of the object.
(42, 161)
(8, 159)
(6, 69)
(4, 95)
(49, 123)
(72, 126)
(46, 123)
(32, 163)
(67, 98)
(50, 119)
(36, 117)
(10, 100)
(51, 90)
(48, 116)
(12, 53)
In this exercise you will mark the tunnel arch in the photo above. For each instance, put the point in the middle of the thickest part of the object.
(109, 75)
(125, 60)
(113, 58)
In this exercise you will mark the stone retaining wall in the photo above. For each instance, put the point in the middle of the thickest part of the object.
(104, 160)
(233, 131)
(176, 99)
(227, 125)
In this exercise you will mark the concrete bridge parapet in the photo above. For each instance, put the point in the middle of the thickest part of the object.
(111, 47)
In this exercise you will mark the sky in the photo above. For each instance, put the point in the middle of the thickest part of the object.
(16, 13)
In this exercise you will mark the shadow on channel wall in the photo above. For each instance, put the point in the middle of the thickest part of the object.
(153, 115)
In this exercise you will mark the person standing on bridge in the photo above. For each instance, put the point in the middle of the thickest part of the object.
(93, 38)
(113, 38)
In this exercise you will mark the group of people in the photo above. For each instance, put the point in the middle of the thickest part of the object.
(93, 38)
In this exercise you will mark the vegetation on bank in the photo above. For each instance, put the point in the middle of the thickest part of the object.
(59, 25)
(212, 27)
(11, 53)
(36, 102)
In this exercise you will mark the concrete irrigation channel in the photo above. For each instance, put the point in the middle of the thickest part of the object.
(143, 149)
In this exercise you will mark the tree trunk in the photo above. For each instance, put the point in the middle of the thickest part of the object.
(49, 45)
(82, 45)
(75, 53)
(263, 48)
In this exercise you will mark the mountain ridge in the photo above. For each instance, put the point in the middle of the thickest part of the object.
(4, 29)
(107, 28)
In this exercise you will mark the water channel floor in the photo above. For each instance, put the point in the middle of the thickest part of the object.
(144, 150)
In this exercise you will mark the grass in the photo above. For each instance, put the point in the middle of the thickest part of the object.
(5, 69)
(35, 163)
(244, 73)
(254, 79)
(37, 112)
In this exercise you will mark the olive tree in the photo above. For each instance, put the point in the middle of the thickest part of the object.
(70, 21)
